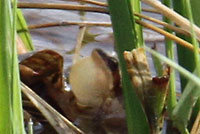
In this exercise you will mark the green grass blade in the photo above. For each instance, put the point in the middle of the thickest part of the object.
(11, 112)
(182, 111)
(171, 101)
(194, 40)
(157, 65)
(182, 70)
(5, 74)
(125, 39)
(183, 53)
(18, 120)
(194, 13)
(23, 31)
(135, 5)
(192, 59)
(30, 127)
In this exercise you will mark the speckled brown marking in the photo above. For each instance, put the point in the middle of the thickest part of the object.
(138, 69)
(152, 91)
(48, 65)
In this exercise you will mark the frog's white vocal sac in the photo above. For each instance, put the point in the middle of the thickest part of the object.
(91, 80)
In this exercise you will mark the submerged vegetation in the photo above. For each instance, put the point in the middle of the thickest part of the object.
(96, 94)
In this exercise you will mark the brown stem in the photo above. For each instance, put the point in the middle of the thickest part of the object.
(82, 24)
(98, 3)
(66, 23)
(174, 16)
(196, 126)
(86, 8)
(166, 25)
(79, 43)
(168, 35)
(106, 5)
(154, 28)
(150, 10)
(101, 10)
(74, 7)
(62, 7)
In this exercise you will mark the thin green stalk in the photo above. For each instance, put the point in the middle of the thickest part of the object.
(171, 101)
(195, 12)
(135, 5)
(157, 65)
(194, 40)
(18, 119)
(30, 127)
(183, 53)
(11, 113)
(196, 47)
(5, 75)
(25, 35)
(171, 63)
(182, 111)
(125, 40)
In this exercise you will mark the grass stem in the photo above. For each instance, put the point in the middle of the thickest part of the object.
(62, 7)
(169, 13)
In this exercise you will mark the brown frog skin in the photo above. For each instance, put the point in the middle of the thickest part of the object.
(43, 72)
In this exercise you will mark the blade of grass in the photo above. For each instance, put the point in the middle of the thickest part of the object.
(182, 111)
(157, 64)
(174, 16)
(135, 5)
(18, 120)
(79, 43)
(62, 7)
(171, 101)
(182, 70)
(125, 39)
(183, 53)
(5, 74)
(11, 113)
(30, 126)
(98, 3)
(195, 11)
(168, 35)
(196, 46)
(24, 34)
(164, 24)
